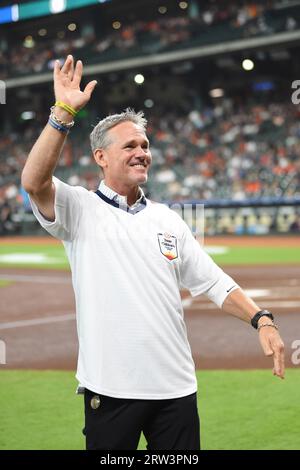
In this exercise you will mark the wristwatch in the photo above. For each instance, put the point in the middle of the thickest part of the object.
(258, 315)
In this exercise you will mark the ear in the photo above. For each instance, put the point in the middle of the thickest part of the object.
(100, 157)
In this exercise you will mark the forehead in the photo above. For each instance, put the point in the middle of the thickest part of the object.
(126, 131)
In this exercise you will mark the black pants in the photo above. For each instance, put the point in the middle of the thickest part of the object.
(117, 423)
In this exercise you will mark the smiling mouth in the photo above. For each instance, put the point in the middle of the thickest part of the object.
(138, 165)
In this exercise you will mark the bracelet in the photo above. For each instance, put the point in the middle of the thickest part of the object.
(258, 315)
(66, 107)
(53, 116)
(57, 126)
(273, 325)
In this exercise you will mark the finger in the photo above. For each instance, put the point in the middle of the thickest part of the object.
(77, 73)
(279, 362)
(90, 88)
(71, 69)
(266, 346)
(56, 69)
(277, 370)
(66, 66)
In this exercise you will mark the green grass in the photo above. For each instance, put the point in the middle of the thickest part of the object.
(4, 283)
(39, 410)
(259, 255)
(55, 257)
(243, 410)
(238, 409)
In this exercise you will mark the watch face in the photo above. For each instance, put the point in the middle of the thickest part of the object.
(268, 315)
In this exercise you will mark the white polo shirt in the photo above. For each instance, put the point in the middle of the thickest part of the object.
(127, 271)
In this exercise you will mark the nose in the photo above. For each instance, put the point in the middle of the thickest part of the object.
(143, 153)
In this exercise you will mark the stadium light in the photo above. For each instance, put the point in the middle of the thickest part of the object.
(42, 32)
(72, 27)
(57, 6)
(29, 42)
(27, 115)
(14, 12)
(149, 103)
(116, 25)
(139, 79)
(248, 64)
(183, 5)
(162, 10)
(216, 93)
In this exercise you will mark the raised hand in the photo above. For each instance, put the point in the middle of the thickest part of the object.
(67, 84)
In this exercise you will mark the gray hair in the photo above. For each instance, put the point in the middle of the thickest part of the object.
(99, 136)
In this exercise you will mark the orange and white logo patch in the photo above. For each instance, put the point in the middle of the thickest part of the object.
(168, 245)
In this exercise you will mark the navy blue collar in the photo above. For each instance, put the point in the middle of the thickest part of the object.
(124, 206)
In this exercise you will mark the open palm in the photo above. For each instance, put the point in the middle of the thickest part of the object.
(67, 84)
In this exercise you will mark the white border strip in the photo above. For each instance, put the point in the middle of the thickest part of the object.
(39, 279)
(37, 321)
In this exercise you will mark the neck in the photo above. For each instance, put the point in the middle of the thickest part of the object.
(130, 192)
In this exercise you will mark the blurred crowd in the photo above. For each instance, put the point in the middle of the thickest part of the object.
(195, 26)
(227, 151)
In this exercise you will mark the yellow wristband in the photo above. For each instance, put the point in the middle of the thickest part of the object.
(66, 107)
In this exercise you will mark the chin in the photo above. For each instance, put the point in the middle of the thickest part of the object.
(141, 179)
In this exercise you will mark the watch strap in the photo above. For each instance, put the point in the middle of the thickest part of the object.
(258, 315)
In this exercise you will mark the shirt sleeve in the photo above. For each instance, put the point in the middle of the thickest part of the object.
(67, 207)
(200, 274)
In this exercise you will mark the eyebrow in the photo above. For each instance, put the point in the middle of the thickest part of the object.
(134, 141)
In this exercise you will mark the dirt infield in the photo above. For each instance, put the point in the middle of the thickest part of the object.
(37, 319)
